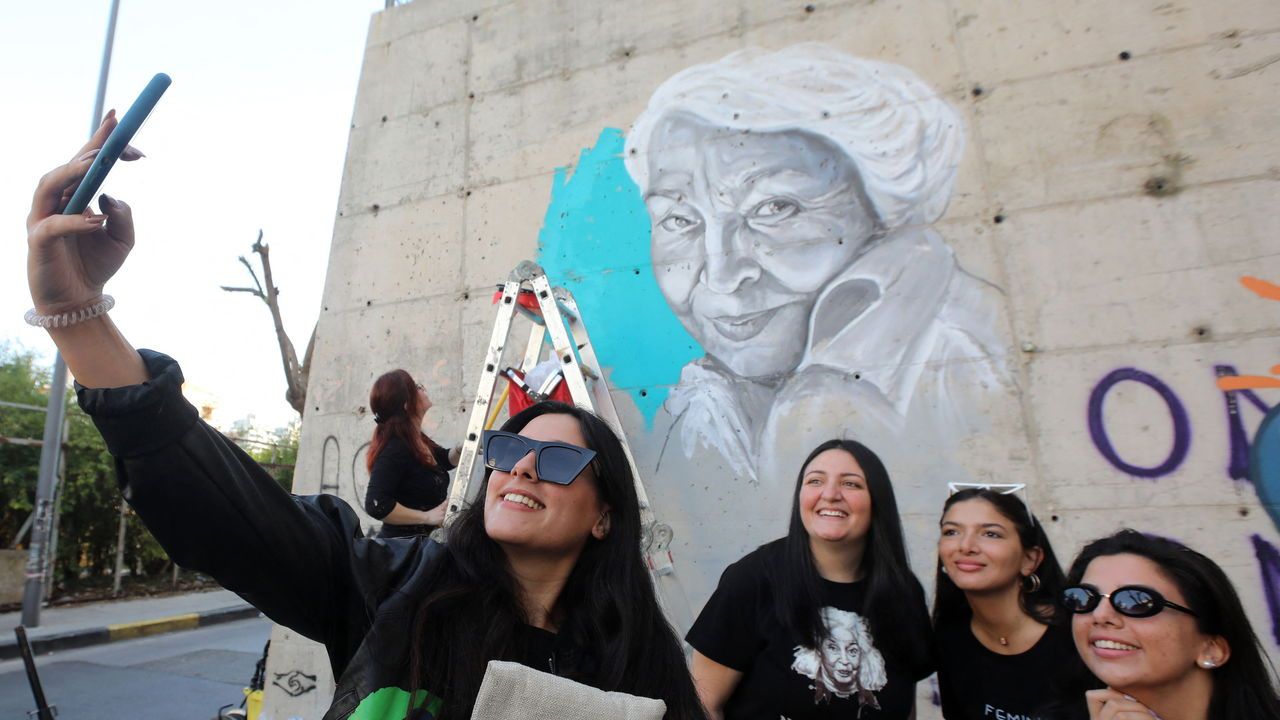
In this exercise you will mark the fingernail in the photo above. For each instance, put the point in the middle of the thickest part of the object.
(89, 155)
(95, 219)
(108, 200)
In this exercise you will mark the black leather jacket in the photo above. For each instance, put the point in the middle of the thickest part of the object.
(302, 561)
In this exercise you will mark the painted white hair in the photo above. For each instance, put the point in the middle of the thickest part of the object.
(903, 138)
(872, 674)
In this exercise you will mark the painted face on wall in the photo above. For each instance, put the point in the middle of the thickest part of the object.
(748, 228)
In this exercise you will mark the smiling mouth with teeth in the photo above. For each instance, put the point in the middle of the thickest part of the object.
(1112, 645)
(523, 500)
(833, 513)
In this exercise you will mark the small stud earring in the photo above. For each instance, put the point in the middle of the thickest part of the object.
(1208, 664)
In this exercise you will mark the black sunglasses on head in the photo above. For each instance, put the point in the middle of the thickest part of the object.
(555, 462)
(1134, 601)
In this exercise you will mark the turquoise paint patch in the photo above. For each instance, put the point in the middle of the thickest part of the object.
(595, 242)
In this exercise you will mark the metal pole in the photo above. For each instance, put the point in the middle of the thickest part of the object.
(119, 571)
(58, 487)
(33, 590)
(37, 569)
(43, 710)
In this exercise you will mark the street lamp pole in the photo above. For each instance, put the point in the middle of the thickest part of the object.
(38, 561)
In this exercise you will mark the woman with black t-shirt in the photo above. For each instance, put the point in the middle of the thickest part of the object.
(827, 622)
(408, 471)
(1002, 647)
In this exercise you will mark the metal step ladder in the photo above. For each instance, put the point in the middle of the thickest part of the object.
(558, 315)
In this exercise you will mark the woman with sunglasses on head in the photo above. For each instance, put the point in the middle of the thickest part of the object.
(1163, 628)
(827, 622)
(408, 471)
(1000, 640)
(545, 571)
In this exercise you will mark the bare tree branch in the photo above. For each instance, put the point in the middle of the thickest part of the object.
(236, 289)
(296, 376)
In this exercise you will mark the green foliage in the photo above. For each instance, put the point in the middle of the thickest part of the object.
(279, 454)
(89, 502)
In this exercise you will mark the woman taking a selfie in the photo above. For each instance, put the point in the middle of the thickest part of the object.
(544, 570)
(827, 622)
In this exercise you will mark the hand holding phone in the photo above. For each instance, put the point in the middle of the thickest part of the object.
(71, 253)
(116, 144)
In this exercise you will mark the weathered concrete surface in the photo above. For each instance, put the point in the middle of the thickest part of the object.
(1119, 175)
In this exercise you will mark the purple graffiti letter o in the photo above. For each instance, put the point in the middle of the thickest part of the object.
(1181, 424)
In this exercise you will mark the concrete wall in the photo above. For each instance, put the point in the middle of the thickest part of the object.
(1012, 253)
(13, 575)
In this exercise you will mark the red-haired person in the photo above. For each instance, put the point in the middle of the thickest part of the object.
(408, 471)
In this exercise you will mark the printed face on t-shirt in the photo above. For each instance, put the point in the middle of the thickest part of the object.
(839, 652)
(845, 663)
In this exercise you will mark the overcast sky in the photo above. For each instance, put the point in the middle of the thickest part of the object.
(252, 134)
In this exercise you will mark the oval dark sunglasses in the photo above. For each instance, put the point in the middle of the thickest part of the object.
(555, 462)
(1135, 601)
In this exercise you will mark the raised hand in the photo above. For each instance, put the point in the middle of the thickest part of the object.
(69, 260)
(71, 257)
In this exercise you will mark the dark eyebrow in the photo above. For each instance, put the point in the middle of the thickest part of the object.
(984, 525)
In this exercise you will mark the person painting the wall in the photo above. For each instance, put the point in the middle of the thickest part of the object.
(827, 622)
(408, 471)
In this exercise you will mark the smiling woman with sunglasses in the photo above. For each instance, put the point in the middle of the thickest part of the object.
(1163, 628)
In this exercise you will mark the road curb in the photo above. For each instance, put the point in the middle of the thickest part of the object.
(125, 631)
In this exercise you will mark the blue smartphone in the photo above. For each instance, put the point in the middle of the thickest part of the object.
(116, 142)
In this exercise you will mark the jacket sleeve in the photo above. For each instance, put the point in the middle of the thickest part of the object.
(301, 560)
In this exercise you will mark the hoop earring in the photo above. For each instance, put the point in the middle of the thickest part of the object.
(1031, 583)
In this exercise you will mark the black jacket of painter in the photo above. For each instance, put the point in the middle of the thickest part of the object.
(302, 561)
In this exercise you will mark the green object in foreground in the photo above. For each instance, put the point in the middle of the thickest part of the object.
(391, 703)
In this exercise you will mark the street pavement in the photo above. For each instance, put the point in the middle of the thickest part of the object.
(183, 675)
(62, 628)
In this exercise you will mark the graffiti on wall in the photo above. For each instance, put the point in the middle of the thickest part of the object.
(1256, 462)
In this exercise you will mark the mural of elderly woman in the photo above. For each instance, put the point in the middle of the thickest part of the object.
(846, 663)
(790, 195)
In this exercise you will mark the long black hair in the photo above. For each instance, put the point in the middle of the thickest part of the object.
(894, 605)
(1245, 685)
(609, 610)
(949, 603)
